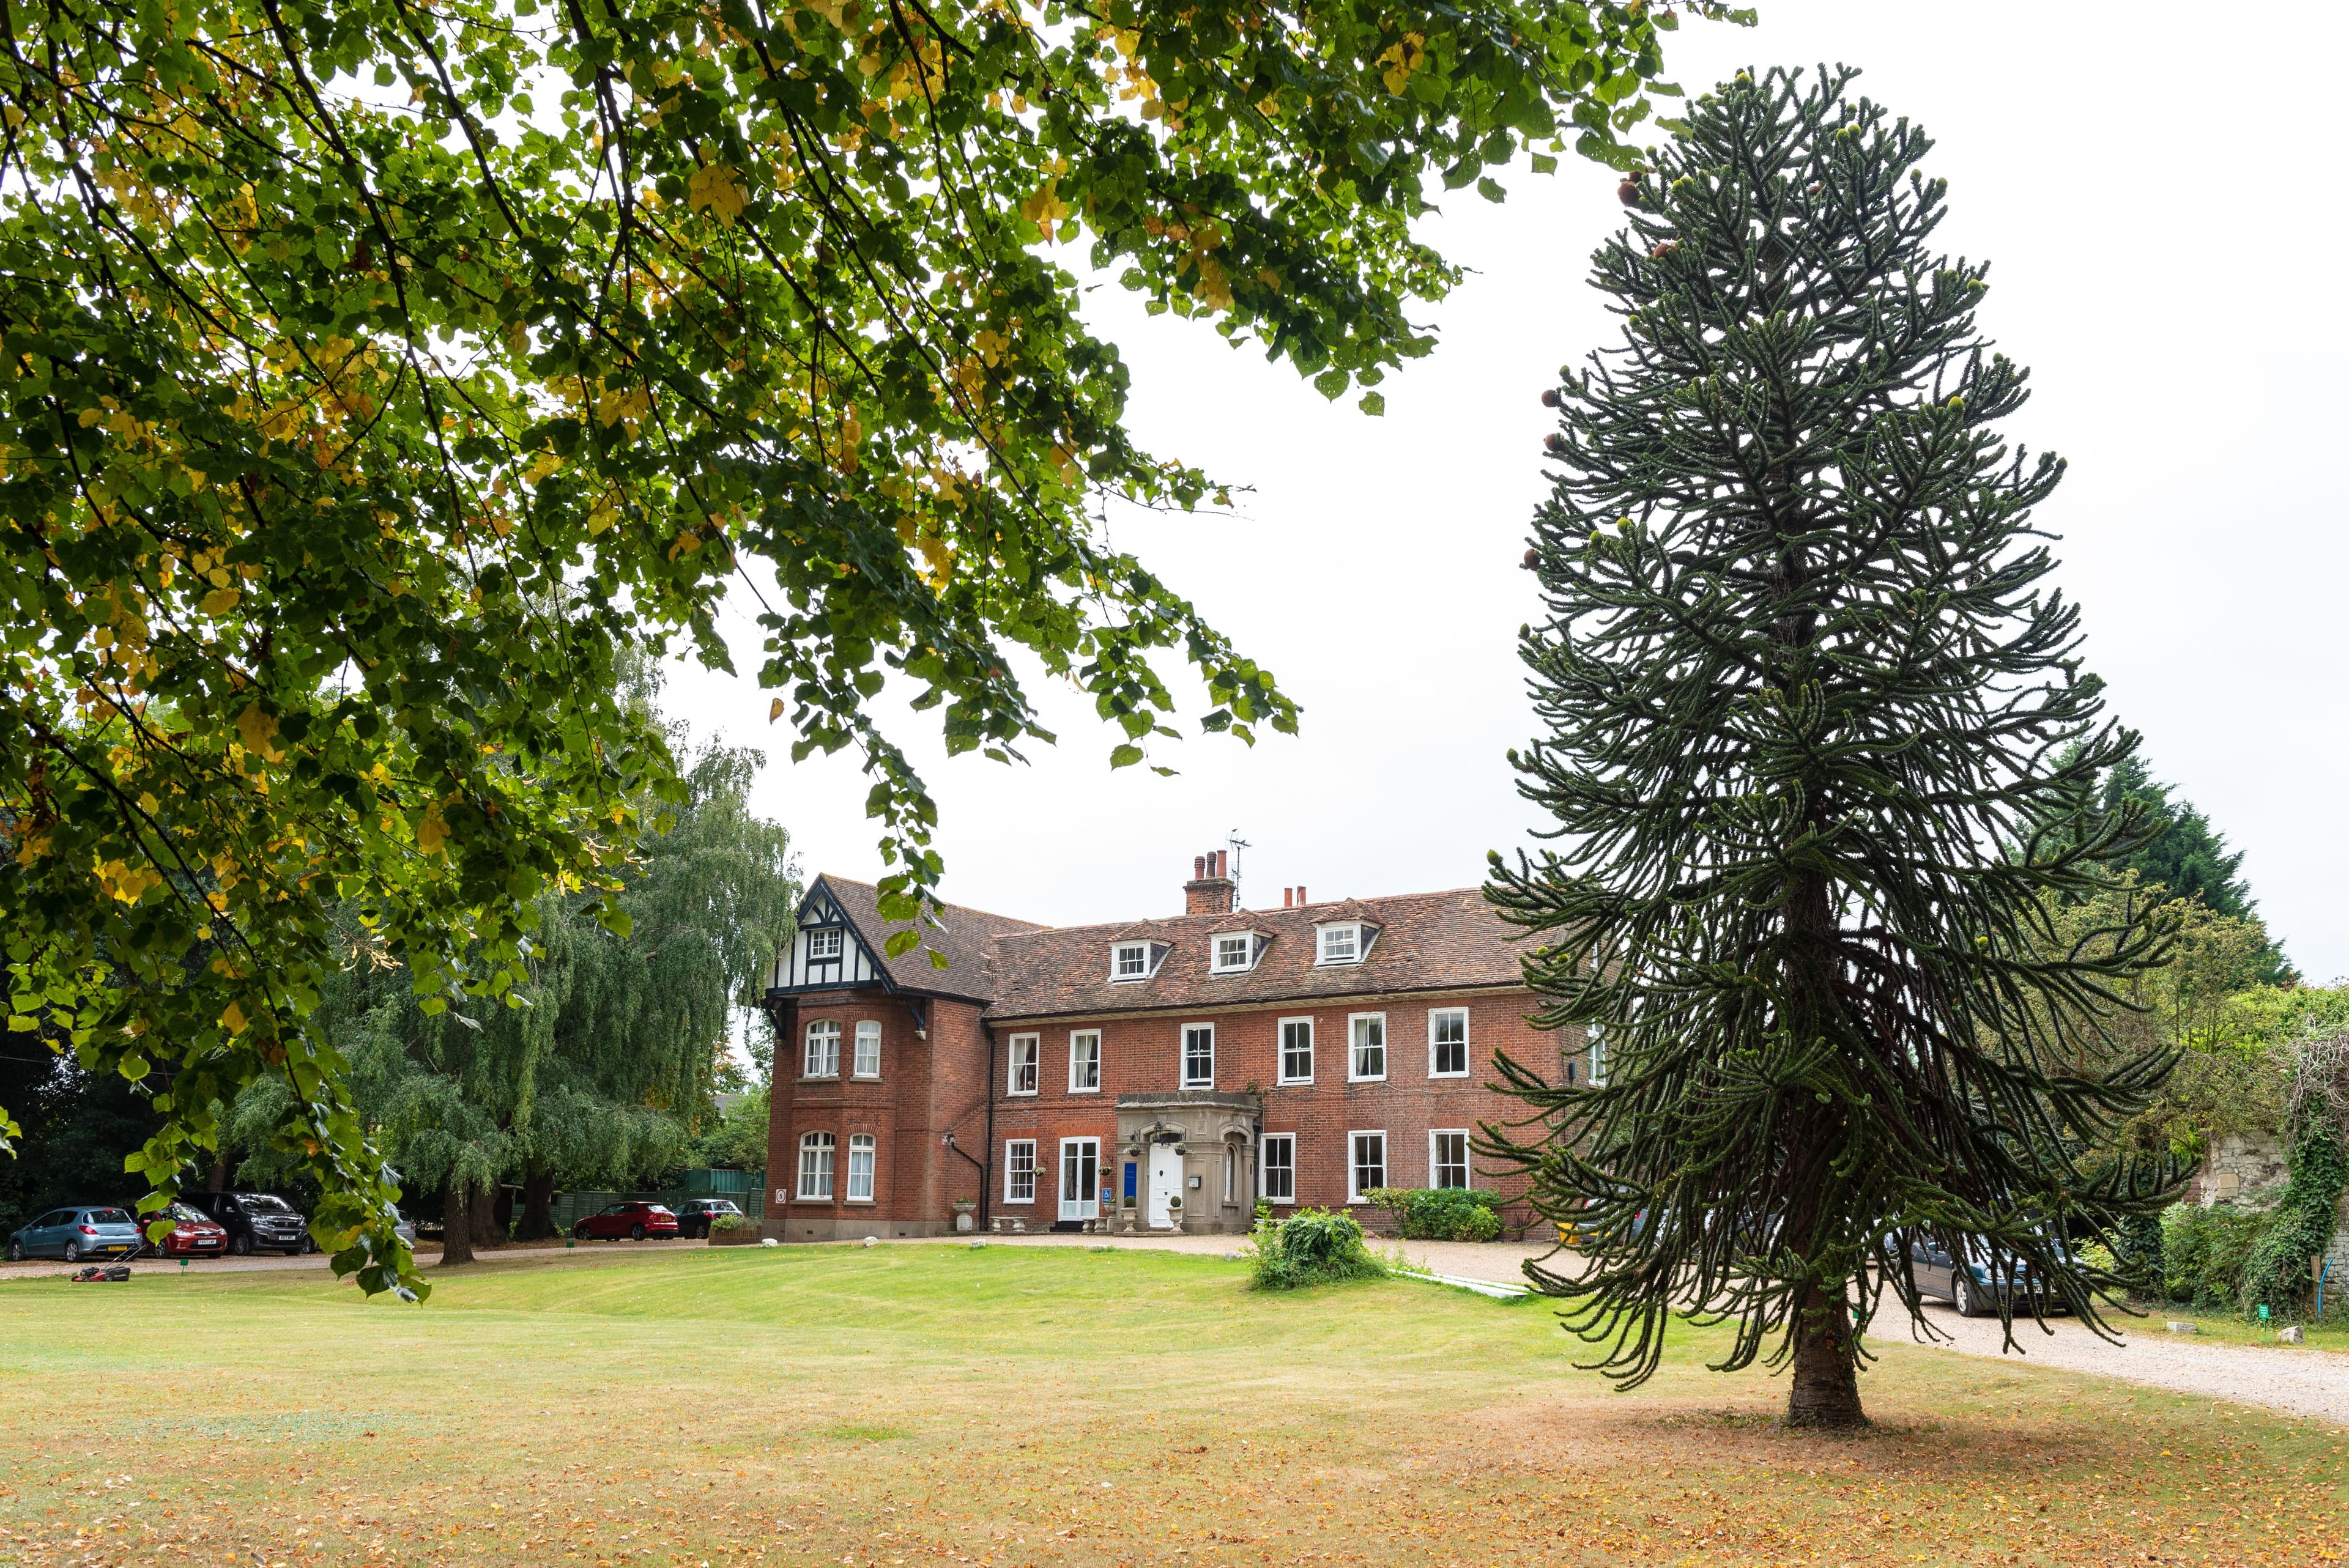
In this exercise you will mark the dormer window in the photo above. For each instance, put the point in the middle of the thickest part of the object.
(1341, 943)
(1234, 953)
(822, 945)
(1132, 961)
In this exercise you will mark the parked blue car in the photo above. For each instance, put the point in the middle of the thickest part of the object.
(83, 1230)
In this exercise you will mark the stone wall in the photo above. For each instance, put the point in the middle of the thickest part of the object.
(2257, 1165)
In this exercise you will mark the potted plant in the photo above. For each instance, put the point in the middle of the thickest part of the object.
(1175, 1213)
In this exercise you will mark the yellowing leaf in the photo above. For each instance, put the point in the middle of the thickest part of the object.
(235, 1019)
(259, 731)
(434, 830)
(219, 601)
(774, 710)
(713, 186)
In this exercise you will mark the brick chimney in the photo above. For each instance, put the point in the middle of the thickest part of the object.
(1210, 890)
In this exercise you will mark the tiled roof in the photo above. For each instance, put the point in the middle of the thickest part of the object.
(1426, 942)
(968, 940)
(1430, 942)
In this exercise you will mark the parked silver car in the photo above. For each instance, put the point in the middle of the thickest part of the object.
(78, 1232)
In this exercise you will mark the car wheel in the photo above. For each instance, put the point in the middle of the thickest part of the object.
(579, 1232)
(241, 1246)
(636, 1233)
(309, 1246)
(16, 1250)
(1963, 1296)
(73, 1251)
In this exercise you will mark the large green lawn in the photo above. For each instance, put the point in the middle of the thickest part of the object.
(926, 1404)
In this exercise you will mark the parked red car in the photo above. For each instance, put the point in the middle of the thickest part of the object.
(634, 1221)
(196, 1235)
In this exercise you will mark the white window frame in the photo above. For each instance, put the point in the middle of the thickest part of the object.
(1215, 963)
(1073, 1151)
(816, 1175)
(1265, 1167)
(1354, 1049)
(1076, 1080)
(1595, 1038)
(1468, 1165)
(826, 943)
(1280, 1045)
(1323, 957)
(1187, 1080)
(862, 1146)
(1434, 1070)
(1027, 1051)
(823, 1064)
(1117, 955)
(1354, 1188)
(868, 1030)
(1012, 1171)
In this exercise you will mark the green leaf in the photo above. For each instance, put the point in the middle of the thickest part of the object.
(1332, 384)
(1491, 190)
(1125, 756)
(1373, 404)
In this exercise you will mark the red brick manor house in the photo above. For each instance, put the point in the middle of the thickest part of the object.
(1299, 1056)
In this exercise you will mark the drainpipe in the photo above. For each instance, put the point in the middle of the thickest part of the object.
(986, 1170)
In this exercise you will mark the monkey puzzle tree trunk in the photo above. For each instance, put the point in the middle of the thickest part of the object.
(1825, 1391)
(456, 1226)
(1818, 755)
(537, 1221)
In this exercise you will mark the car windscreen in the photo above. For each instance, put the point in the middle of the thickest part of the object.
(109, 1217)
(655, 1209)
(188, 1215)
(265, 1204)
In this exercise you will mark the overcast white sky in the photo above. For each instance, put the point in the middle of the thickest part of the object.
(2161, 194)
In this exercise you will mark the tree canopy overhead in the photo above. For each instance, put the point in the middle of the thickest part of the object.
(1821, 756)
(373, 369)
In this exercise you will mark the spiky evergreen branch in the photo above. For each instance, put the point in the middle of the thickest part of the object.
(1810, 711)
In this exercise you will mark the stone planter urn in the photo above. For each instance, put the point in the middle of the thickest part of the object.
(1174, 1215)
(963, 1209)
(1129, 1222)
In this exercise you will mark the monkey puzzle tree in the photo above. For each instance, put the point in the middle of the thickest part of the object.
(1806, 693)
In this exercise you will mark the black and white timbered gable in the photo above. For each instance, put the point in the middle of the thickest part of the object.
(827, 951)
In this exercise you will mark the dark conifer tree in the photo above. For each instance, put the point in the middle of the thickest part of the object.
(1810, 700)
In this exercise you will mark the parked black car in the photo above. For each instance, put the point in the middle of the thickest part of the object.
(1969, 1288)
(693, 1215)
(256, 1221)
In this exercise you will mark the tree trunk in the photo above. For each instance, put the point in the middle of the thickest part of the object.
(1825, 1391)
(456, 1228)
(537, 1207)
(482, 1207)
(218, 1181)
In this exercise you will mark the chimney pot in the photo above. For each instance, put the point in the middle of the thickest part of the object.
(1300, 895)
(1223, 862)
(1198, 868)
(1286, 895)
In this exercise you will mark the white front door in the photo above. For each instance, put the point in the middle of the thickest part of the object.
(1080, 1178)
(1165, 1180)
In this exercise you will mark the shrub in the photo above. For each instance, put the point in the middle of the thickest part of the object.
(1441, 1213)
(728, 1223)
(2204, 1251)
(1315, 1247)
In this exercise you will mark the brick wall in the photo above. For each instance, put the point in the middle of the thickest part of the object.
(1145, 1055)
(924, 1086)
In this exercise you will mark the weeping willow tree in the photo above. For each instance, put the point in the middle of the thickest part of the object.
(601, 1069)
(1812, 707)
